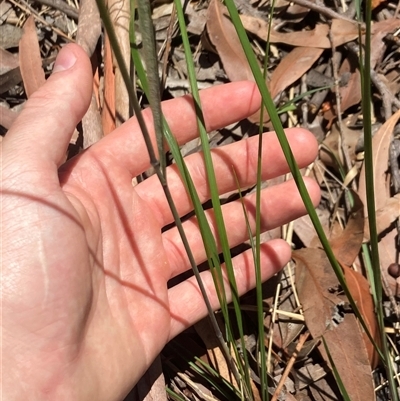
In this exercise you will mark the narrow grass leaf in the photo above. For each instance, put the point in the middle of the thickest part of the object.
(242, 364)
(269, 104)
(174, 396)
(338, 379)
(365, 70)
(207, 236)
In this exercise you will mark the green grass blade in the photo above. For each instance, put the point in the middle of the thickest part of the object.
(214, 378)
(174, 148)
(269, 104)
(259, 292)
(173, 395)
(338, 379)
(207, 236)
(375, 278)
(214, 196)
(291, 104)
(368, 158)
(255, 247)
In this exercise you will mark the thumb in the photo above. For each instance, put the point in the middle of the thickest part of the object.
(38, 139)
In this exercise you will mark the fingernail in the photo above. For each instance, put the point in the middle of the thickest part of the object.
(65, 60)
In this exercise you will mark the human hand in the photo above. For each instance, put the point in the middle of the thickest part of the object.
(86, 307)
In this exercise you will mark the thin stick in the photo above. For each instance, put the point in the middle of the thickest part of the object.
(29, 10)
(323, 10)
(150, 56)
(299, 346)
(273, 319)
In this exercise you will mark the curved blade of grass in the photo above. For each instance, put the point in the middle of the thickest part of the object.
(173, 395)
(365, 68)
(257, 256)
(204, 370)
(215, 198)
(214, 378)
(269, 104)
(117, 52)
(338, 379)
(290, 105)
(365, 72)
(207, 236)
(256, 250)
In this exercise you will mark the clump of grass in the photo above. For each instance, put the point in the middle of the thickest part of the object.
(237, 361)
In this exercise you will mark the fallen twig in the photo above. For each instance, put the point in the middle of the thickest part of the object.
(61, 6)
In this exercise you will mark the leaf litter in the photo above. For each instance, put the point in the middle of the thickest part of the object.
(312, 46)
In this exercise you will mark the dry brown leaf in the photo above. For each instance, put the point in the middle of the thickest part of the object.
(391, 81)
(292, 67)
(385, 26)
(305, 229)
(223, 36)
(350, 94)
(385, 216)
(216, 358)
(360, 291)
(89, 26)
(281, 5)
(10, 74)
(343, 32)
(317, 37)
(9, 34)
(347, 245)
(314, 278)
(330, 152)
(351, 359)
(8, 61)
(379, 30)
(376, 3)
(322, 391)
(288, 71)
(346, 248)
(30, 60)
(380, 148)
(296, 12)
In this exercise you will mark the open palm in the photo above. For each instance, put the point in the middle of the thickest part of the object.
(86, 307)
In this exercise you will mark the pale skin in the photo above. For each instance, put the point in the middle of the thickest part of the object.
(85, 303)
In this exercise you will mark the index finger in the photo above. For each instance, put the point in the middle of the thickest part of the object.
(222, 105)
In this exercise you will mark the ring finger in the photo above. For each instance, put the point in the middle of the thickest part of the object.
(279, 205)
